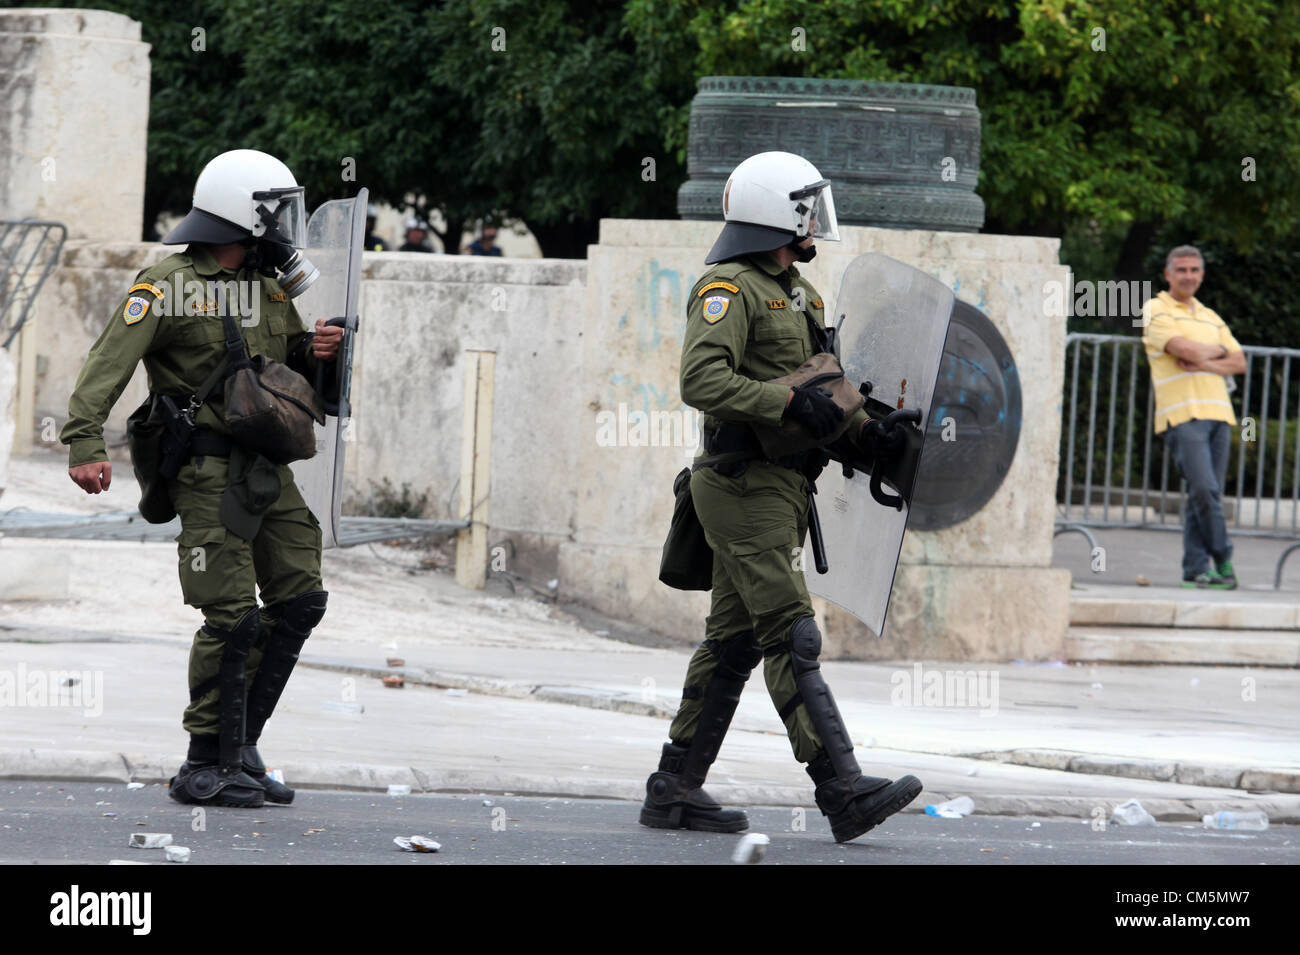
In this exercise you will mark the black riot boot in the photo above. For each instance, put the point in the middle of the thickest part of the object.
(296, 619)
(853, 803)
(674, 797)
(213, 772)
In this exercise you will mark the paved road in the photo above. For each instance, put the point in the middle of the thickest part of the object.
(42, 825)
(1157, 556)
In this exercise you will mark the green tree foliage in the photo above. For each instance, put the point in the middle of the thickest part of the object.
(1109, 140)
(545, 110)
(504, 108)
(563, 125)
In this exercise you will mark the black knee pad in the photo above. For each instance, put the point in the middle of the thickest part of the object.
(740, 655)
(805, 645)
(301, 614)
(240, 638)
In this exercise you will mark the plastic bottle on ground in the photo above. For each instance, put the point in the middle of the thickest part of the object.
(1236, 820)
(952, 809)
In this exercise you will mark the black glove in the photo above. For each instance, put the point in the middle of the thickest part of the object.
(813, 408)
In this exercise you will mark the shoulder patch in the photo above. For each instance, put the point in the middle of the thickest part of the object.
(712, 285)
(135, 309)
(277, 296)
(816, 303)
(146, 287)
(776, 303)
(715, 308)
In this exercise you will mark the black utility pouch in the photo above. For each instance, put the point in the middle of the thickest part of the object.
(174, 447)
(144, 436)
(687, 562)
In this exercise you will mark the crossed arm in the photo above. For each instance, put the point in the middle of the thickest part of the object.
(1198, 356)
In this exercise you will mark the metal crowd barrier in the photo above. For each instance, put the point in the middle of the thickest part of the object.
(29, 250)
(1117, 474)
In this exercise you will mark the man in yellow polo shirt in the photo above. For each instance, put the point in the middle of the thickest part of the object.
(1190, 351)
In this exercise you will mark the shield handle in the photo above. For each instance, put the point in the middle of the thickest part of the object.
(331, 407)
(888, 433)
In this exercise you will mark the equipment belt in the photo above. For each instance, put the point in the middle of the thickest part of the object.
(754, 452)
(208, 443)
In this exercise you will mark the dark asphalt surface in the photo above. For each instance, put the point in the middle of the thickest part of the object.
(66, 823)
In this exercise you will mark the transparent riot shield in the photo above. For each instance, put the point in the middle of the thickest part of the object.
(893, 320)
(334, 240)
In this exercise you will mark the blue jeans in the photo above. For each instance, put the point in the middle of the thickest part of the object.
(1200, 449)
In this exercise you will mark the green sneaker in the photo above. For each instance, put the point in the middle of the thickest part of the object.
(1219, 582)
(1200, 582)
(1225, 572)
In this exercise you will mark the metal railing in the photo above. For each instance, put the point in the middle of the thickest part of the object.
(29, 250)
(1116, 473)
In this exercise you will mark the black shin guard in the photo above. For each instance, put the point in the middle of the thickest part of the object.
(295, 621)
(674, 799)
(214, 773)
(806, 647)
(737, 660)
(233, 711)
(852, 802)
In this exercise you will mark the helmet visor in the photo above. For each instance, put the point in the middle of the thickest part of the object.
(285, 214)
(816, 210)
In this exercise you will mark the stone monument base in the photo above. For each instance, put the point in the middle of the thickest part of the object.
(956, 612)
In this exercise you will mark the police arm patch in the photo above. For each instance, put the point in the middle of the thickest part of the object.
(137, 306)
(733, 289)
(715, 308)
(135, 309)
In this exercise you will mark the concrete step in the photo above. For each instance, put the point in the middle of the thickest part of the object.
(1122, 606)
(1118, 644)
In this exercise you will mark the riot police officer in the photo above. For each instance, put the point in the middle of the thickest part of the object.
(244, 525)
(752, 318)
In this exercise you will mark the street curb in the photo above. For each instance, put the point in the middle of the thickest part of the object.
(1188, 773)
(97, 767)
(1164, 771)
(493, 686)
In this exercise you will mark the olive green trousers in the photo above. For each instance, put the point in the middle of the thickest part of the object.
(755, 524)
(222, 573)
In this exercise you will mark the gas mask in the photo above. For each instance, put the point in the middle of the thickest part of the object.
(276, 249)
(804, 254)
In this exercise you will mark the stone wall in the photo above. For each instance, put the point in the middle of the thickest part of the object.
(8, 394)
(983, 589)
(584, 343)
(73, 120)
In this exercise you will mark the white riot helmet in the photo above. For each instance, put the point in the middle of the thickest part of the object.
(245, 194)
(773, 199)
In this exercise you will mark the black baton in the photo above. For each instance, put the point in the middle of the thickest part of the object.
(815, 535)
